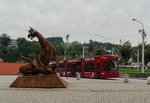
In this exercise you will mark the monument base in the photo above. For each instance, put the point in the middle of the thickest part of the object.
(39, 81)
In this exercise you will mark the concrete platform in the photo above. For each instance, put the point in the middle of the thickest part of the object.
(78, 91)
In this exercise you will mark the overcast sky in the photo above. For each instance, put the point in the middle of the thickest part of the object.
(100, 20)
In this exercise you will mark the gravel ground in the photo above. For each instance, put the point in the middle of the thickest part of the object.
(78, 91)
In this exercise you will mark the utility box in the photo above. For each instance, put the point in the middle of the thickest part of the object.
(126, 78)
(78, 75)
(148, 80)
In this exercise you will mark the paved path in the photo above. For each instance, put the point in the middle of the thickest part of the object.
(78, 91)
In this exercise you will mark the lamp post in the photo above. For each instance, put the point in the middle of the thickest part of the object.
(142, 31)
(65, 54)
(137, 60)
(83, 52)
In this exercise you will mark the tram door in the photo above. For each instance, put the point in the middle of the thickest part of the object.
(98, 70)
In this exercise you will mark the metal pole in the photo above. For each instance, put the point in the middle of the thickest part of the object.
(83, 54)
(143, 65)
(82, 68)
(137, 60)
(65, 55)
(112, 51)
(66, 65)
(143, 37)
(67, 39)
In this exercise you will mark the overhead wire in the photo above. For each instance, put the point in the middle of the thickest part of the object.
(108, 16)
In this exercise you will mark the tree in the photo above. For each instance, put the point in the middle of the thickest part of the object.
(93, 47)
(4, 39)
(2, 51)
(74, 49)
(28, 48)
(60, 49)
(126, 51)
(23, 45)
(147, 53)
(11, 54)
(7, 53)
(100, 51)
(34, 48)
(21, 41)
(55, 40)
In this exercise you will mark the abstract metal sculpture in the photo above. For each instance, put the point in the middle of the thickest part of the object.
(41, 65)
(44, 64)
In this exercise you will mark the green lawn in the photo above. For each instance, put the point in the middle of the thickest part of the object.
(132, 70)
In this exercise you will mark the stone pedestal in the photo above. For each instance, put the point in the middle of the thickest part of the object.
(39, 81)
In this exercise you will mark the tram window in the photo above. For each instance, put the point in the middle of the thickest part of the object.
(78, 63)
(98, 66)
(89, 67)
(78, 67)
(69, 67)
(61, 67)
(110, 65)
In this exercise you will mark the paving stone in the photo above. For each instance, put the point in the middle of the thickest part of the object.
(78, 91)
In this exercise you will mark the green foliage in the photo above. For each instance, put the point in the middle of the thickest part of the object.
(28, 48)
(60, 49)
(59, 46)
(22, 46)
(32, 48)
(4, 39)
(132, 70)
(11, 54)
(147, 53)
(7, 53)
(92, 46)
(127, 70)
(21, 41)
(74, 50)
(126, 51)
(101, 51)
(2, 50)
(55, 40)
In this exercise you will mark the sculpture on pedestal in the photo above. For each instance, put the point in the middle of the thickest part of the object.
(41, 72)
(41, 64)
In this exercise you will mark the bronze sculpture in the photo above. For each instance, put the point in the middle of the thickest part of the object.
(41, 64)
(44, 64)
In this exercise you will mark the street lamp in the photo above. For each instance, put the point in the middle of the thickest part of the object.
(65, 54)
(142, 31)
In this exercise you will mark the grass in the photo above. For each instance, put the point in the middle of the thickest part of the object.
(132, 70)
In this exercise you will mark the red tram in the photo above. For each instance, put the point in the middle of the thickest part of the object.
(94, 67)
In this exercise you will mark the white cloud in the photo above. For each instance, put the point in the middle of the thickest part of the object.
(82, 19)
